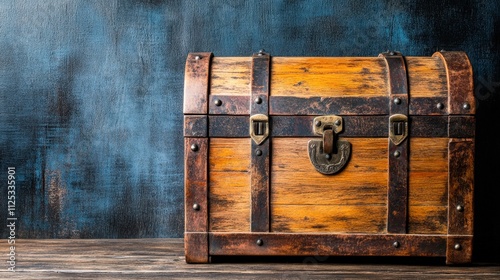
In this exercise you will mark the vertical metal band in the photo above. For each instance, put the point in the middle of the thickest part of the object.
(397, 195)
(196, 81)
(196, 205)
(259, 167)
(460, 82)
(460, 200)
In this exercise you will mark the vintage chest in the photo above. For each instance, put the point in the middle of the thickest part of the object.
(315, 156)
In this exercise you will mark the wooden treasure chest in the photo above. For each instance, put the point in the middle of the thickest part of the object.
(329, 156)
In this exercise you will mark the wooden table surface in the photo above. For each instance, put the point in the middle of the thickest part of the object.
(164, 259)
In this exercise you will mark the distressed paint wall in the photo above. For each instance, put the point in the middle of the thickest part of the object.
(91, 95)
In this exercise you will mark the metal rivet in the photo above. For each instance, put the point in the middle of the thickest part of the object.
(395, 244)
(337, 122)
(196, 207)
(194, 147)
(258, 100)
(197, 57)
(328, 156)
(397, 101)
(460, 208)
(392, 53)
(317, 123)
(440, 106)
(397, 153)
(218, 102)
(258, 152)
(260, 242)
(466, 106)
(457, 247)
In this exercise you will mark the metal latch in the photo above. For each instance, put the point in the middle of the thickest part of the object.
(398, 128)
(259, 128)
(330, 154)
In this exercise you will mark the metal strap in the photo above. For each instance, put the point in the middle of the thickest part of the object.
(259, 167)
(397, 195)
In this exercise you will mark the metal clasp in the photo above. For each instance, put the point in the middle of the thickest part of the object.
(330, 154)
(398, 128)
(259, 128)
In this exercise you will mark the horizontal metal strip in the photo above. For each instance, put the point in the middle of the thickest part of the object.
(354, 126)
(289, 105)
(428, 106)
(292, 244)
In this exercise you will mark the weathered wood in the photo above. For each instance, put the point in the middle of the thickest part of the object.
(228, 126)
(397, 190)
(260, 152)
(282, 244)
(461, 187)
(196, 77)
(196, 203)
(229, 191)
(428, 105)
(459, 249)
(230, 75)
(322, 218)
(164, 259)
(460, 82)
(462, 126)
(354, 126)
(196, 247)
(195, 182)
(292, 105)
(386, 190)
(229, 105)
(329, 76)
(195, 126)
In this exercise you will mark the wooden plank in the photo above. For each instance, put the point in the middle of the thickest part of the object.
(195, 199)
(459, 249)
(196, 247)
(426, 77)
(162, 258)
(427, 219)
(461, 187)
(196, 79)
(229, 185)
(328, 218)
(328, 76)
(428, 155)
(297, 185)
(229, 155)
(282, 244)
(195, 184)
(368, 156)
(230, 76)
(460, 82)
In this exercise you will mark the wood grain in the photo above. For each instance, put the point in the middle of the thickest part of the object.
(328, 218)
(328, 76)
(164, 259)
(229, 185)
(231, 75)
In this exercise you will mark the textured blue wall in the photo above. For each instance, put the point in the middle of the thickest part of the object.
(91, 95)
